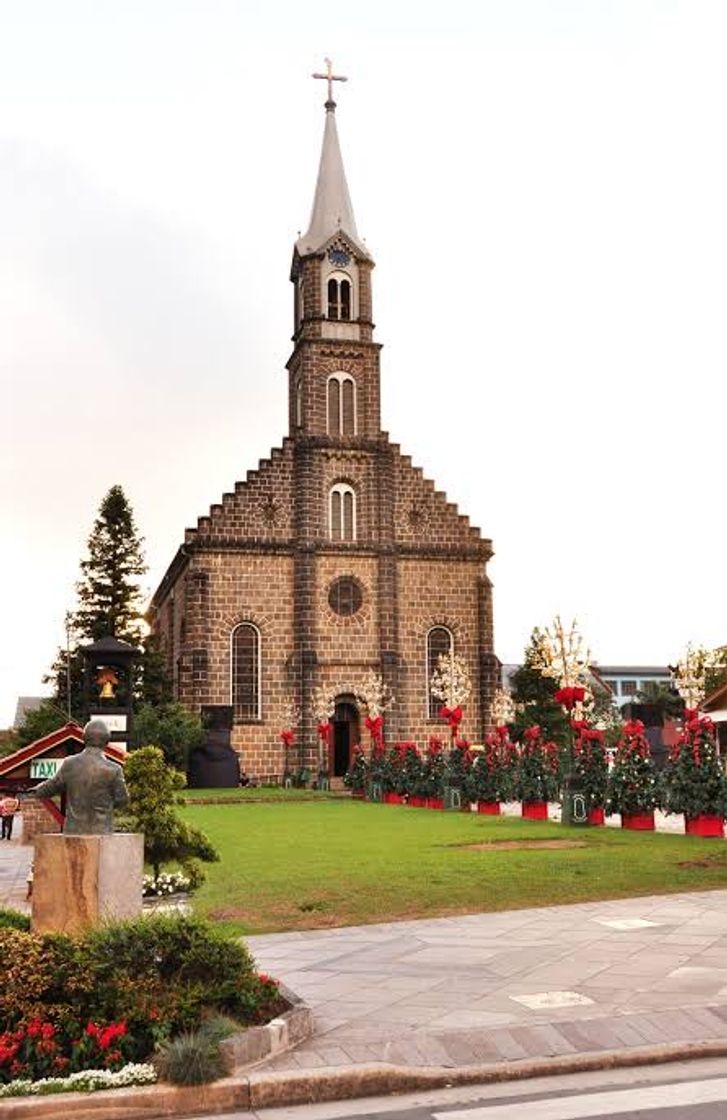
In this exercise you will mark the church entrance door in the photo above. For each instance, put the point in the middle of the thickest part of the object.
(346, 735)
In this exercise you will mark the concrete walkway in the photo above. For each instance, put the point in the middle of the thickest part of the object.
(513, 986)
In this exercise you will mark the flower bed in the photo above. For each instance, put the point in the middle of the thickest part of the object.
(108, 998)
(86, 1081)
(171, 882)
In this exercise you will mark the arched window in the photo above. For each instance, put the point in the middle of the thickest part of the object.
(342, 512)
(341, 405)
(439, 641)
(245, 671)
(339, 299)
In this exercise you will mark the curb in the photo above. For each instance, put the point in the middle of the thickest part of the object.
(263, 1090)
(257, 1044)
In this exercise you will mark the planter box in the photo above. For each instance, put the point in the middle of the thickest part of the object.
(638, 822)
(489, 808)
(597, 815)
(435, 803)
(535, 810)
(417, 802)
(704, 825)
(258, 1043)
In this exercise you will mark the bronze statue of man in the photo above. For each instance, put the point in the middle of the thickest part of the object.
(94, 786)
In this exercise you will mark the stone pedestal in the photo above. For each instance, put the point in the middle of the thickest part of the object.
(79, 881)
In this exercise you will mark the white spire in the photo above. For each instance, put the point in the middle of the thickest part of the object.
(332, 210)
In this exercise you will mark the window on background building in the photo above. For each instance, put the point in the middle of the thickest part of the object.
(245, 671)
(628, 688)
(299, 404)
(341, 405)
(439, 641)
(342, 512)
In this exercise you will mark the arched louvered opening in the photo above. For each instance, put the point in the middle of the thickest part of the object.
(342, 513)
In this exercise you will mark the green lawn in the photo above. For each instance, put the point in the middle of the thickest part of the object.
(321, 863)
(258, 793)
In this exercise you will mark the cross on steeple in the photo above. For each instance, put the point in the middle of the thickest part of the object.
(330, 77)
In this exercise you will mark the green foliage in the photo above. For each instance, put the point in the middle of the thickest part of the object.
(537, 772)
(458, 764)
(192, 1058)
(356, 776)
(157, 975)
(39, 722)
(532, 694)
(13, 919)
(431, 775)
(153, 788)
(590, 764)
(109, 599)
(170, 727)
(492, 777)
(716, 674)
(694, 783)
(665, 700)
(632, 783)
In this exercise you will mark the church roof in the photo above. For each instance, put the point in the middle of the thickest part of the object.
(332, 211)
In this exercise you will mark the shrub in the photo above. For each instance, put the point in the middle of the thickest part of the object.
(193, 1058)
(171, 727)
(13, 919)
(153, 788)
(115, 993)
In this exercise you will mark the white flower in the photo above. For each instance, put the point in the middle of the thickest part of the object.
(86, 1080)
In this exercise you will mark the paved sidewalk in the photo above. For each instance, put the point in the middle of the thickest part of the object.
(512, 986)
(15, 860)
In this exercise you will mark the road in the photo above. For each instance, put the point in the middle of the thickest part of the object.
(682, 1091)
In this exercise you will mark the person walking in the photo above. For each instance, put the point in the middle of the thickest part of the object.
(8, 809)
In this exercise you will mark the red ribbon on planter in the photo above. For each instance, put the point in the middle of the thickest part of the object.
(324, 732)
(288, 737)
(453, 717)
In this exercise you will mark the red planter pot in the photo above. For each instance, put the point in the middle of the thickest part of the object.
(435, 803)
(393, 798)
(597, 815)
(417, 802)
(638, 822)
(535, 810)
(489, 808)
(704, 825)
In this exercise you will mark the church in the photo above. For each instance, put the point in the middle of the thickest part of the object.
(336, 558)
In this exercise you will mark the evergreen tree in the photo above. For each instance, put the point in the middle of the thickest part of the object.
(533, 696)
(109, 604)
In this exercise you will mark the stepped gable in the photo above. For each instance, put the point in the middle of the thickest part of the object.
(424, 517)
(259, 509)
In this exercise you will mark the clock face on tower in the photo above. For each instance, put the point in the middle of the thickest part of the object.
(339, 257)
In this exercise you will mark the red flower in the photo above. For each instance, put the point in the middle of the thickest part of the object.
(47, 1030)
(34, 1028)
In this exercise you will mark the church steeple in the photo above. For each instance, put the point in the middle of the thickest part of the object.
(334, 380)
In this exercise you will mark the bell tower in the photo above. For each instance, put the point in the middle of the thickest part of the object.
(334, 369)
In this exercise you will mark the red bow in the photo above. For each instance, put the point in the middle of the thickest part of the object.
(453, 716)
(569, 697)
(324, 731)
(374, 725)
(502, 730)
(532, 733)
(288, 737)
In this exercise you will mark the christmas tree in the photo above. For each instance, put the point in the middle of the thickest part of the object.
(632, 784)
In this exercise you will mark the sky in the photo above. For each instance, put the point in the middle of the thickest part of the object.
(543, 187)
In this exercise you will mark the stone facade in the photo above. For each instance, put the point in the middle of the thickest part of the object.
(269, 552)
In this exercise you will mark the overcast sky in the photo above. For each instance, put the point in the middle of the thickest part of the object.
(543, 186)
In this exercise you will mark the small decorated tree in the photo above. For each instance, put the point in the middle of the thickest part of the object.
(590, 767)
(458, 764)
(323, 706)
(694, 783)
(412, 766)
(632, 785)
(357, 775)
(537, 775)
(451, 684)
(431, 783)
(490, 778)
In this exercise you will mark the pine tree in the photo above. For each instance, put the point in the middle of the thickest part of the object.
(109, 594)
(632, 783)
(533, 696)
(109, 604)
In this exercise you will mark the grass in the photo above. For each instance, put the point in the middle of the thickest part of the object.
(257, 793)
(338, 862)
